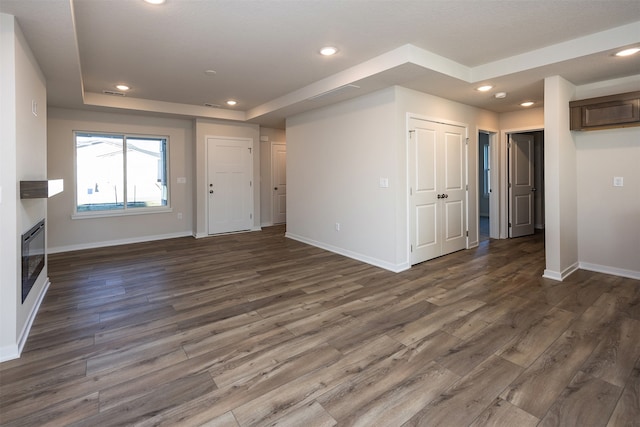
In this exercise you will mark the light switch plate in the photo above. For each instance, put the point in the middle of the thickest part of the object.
(384, 182)
(618, 181)
(182, 180)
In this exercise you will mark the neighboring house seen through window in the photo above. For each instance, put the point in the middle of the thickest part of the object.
(117, 173)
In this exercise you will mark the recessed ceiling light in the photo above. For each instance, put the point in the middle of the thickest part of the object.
(527, 104)
(328, 51)
(122, 87)
(484, 88)
(155, 1)
(501, 95)
(231, 102)
(210, 72)
(628, 52)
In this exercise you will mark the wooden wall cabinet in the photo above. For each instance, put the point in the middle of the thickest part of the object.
(605, 112)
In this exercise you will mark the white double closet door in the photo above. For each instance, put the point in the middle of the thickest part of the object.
(437, 193)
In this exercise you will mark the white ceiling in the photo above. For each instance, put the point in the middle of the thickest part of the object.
(265, 52)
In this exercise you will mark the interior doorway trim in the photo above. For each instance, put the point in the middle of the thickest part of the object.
(504, 179)
(494, 178)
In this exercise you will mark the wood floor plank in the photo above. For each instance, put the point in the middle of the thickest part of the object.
(474, 393)
(434, 321)
(542, 382)
(587, 401)
(401, 374)
(215, 403)
(231, 373)
(398, 404)
(289, 397)
(256, 329)
(225, 420)
(627, 411)
(167, 396)
(615, 355)
(71, 411)
(503, 413)
(311, 415)
(531, 342)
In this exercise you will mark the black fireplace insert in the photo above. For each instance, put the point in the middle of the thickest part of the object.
(32, 257)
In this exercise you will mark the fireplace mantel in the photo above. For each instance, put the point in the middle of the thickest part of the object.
(40, 189)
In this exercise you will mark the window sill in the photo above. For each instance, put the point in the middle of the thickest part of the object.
(128, 212)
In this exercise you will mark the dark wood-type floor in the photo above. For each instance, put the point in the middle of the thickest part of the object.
(258, 330)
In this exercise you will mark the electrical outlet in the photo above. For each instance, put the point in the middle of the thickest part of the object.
(337, 226)
(618, 181)
(179, 215)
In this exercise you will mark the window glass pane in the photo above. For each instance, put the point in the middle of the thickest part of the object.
(99, 172)
(146, 172)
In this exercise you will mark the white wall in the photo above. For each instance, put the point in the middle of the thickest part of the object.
(70, 234)
(561, 232)
(23, 157)
(268, 136)
(609, 217)
(209, 127)
(336, 157)
(410, 101)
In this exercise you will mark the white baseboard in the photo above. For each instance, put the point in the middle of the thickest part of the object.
(560, 276)
(106, 243)
(396, 268)
(631, 274)
(201, 235)
(13, 351)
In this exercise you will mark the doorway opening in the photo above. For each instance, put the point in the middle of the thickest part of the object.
(484, 186)
(525, 183)
(488, 188)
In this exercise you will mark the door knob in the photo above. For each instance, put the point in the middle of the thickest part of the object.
(210, 191)
(275, 188)
(446, 196)
(534, 189)
(439, 196)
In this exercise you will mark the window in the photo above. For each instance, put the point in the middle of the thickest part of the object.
(118, 174)
(486, 169)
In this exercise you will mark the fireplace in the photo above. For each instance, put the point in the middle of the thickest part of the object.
(32, 257)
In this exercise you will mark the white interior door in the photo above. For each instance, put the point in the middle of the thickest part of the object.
(454, 188)
(521, 185)
(279, 183)
(424, 197)
(437, 188)
(229, 184)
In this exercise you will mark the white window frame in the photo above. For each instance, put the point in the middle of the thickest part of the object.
(125, 211)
